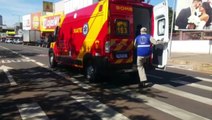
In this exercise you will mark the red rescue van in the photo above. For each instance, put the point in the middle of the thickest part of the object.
(100, 37)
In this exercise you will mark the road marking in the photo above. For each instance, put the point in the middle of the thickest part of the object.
(203, 87)
(183, 67)
(9, 76)
(172, 110)
(42, 55)
(191, 96)
(38, 63)
(102, 110)
(204, 79)
(14, 61)
(167, 108)
(31, 112)
(73, 79)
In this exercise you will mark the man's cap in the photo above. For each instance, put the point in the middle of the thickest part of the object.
(143, 30)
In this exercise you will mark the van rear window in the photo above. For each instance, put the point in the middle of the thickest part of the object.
(122, 27)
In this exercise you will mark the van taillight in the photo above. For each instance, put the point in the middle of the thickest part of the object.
(107, 47)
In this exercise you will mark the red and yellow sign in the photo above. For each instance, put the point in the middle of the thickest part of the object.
(35, 21)
(50, 22)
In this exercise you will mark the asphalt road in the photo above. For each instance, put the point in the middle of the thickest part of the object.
(30, 90)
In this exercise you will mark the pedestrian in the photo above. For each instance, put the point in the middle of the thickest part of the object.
(50, 39)
(143, 45)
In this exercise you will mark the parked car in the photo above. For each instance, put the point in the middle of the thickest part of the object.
(9, 40)
(18, 41)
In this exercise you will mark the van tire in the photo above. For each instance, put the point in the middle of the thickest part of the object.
(52, 62)
(92, 72)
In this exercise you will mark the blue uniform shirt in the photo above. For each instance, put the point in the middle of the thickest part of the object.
(143, 45)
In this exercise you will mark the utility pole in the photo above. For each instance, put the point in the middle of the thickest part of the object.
(172, 26)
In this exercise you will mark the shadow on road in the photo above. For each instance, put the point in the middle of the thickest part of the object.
(53, 92)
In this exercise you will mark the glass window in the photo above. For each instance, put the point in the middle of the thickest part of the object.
(122, 27)
(161, 27)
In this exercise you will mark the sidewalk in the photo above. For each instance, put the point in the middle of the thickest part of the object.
(192, 61)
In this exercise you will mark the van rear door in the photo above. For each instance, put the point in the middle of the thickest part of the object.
(161, 31)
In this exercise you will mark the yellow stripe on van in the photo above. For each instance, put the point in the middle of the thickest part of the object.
(95, 24)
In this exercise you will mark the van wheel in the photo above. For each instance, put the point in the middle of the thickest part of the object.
(91, 72)
(52, 62)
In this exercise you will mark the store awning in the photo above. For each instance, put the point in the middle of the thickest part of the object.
(10, 32)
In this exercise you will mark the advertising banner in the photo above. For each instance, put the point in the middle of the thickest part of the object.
(47, 6)
(193, 15)
(26, 22)
(50, 22)
(35, 17)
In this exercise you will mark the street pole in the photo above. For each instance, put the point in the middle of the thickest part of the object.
(172, 26)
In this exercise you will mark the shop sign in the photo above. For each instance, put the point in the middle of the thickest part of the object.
(26, 22)
(51, 22)
(35, 21)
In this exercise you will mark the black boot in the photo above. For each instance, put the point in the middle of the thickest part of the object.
(148, 84)
(141, 85)
(145, 84)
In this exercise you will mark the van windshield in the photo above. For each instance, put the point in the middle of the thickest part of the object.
(122, 27)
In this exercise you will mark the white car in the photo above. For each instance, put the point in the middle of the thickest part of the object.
(8, 40)
(18, 41)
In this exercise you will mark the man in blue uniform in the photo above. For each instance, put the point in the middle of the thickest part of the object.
(143, 44)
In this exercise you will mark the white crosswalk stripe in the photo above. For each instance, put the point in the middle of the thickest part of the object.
(184, 67)
(167, 108)
(184, 94)
(203, 87)
(31, 112)
(204, 79)
(14, 61)
(102, 110)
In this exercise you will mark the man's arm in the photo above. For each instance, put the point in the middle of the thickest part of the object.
(155, 42)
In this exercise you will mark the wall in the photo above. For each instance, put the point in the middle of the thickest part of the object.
(72, 5)
(192, 46)
(59, 6)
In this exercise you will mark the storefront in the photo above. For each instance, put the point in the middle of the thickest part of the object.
(48, 23)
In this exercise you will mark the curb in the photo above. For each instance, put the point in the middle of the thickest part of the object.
(196, 66)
